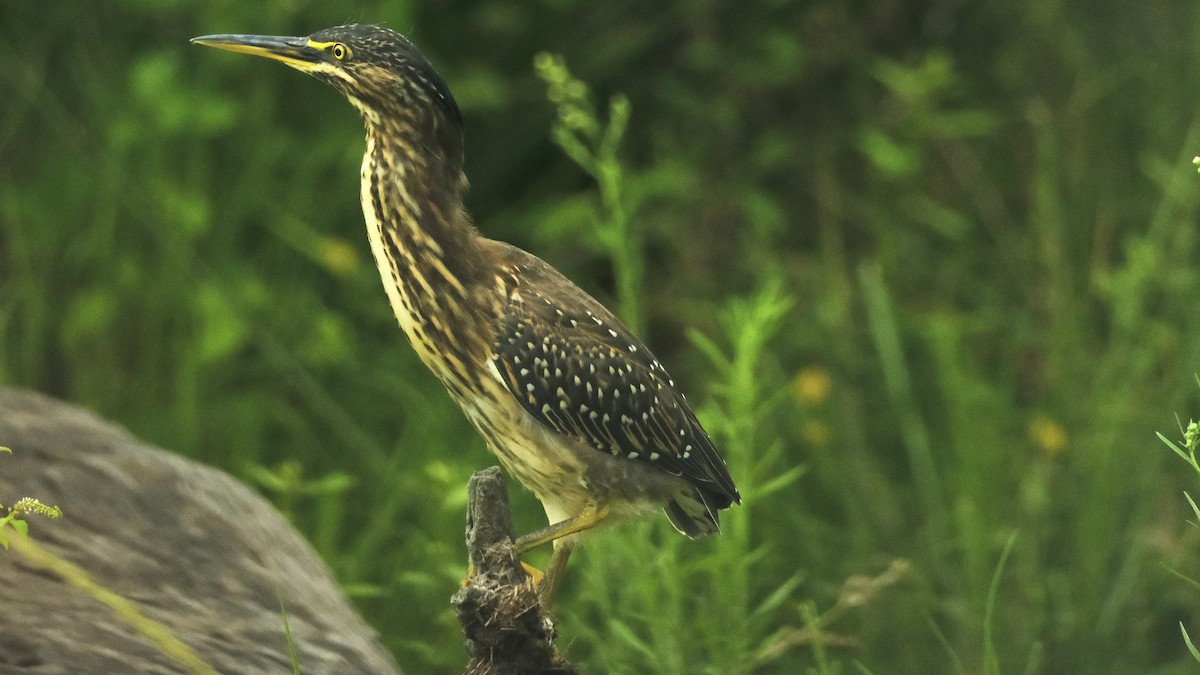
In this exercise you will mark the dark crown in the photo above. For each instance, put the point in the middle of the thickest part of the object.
(375, 46)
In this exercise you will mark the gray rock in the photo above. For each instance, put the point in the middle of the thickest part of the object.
(190, 546)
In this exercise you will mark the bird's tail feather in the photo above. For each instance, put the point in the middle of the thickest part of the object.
(691, 513)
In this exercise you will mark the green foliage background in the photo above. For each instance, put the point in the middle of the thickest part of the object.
(937, 261)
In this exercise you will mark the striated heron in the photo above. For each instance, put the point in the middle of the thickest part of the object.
(573, 405)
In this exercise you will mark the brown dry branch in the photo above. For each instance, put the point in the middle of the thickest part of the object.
(507, 630)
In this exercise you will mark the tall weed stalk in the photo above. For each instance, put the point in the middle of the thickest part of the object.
(646, 599)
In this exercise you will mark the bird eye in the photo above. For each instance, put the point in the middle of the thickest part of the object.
(340, 52)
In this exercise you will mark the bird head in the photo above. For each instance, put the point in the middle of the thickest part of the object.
(379, 70)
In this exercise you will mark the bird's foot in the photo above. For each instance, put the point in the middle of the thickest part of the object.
(535, 575)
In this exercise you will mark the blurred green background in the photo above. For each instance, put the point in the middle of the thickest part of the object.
(928, 269)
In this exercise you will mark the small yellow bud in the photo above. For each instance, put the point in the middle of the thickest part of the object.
(812, 385)
(338, 256)
(1048, 435)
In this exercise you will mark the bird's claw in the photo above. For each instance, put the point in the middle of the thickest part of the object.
(535, 575)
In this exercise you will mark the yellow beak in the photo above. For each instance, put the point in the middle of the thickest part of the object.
(297, 52)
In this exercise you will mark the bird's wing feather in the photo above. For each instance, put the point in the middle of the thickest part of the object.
(575, 368)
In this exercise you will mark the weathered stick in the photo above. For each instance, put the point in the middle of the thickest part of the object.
(507, 631)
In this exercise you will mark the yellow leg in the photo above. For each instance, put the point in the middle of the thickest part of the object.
(548, 584)
(548, 587)
(589, 518)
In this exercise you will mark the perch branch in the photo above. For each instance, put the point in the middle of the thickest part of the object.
(506, 629)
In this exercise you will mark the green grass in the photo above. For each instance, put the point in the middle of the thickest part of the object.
(1191, 438)
(929, 279)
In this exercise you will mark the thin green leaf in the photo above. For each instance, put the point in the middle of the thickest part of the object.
(991, 655)
(1195, 509)
(1193, 582)
(945, 643)
(1186, 456)
(779, 482)
(293, 653)
(711, 350)
(1188, 640)
(778, 596)
(622, 631)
